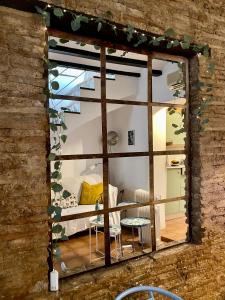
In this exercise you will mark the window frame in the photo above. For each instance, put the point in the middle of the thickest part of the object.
(105, 156)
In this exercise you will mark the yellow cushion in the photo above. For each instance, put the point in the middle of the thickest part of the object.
(91, 193)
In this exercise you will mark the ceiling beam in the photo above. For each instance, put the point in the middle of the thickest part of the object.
(109, 58)
(66, 64)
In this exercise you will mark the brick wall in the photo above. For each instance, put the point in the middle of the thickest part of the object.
(194, 271)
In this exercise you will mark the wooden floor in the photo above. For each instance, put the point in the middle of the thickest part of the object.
(75, 252)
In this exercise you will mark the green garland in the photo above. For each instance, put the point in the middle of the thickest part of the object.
(136, 38)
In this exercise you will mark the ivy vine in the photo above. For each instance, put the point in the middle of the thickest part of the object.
(136, 38)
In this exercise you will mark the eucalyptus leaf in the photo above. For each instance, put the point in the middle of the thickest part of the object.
(63, 41)
(170, 32)
(75, 24)
(99, 27)
(63, 138)
(57, 165)
(53, 127)
(97, 47)
(64, 127)
(58, 12)
(51, 209)
(64, 238)
(130, 32)
(175, 125)
(54, 72)
(56, 187)
(52, 43)
(66, 194)
(111, 50)
(51, 156)
(56, 228)
(56, 175)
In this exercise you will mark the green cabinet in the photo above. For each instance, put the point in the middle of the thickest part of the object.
(175, 188)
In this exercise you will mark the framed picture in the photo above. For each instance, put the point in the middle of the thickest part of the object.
(131, 137)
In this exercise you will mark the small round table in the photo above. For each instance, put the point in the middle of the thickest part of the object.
(135, 222)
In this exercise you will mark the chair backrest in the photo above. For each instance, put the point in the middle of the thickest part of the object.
(150, 290)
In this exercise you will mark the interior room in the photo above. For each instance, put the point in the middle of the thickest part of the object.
(129, 179)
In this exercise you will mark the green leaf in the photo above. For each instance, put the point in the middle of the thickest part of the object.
(51, 156)
(51, 65)
(52, 111)
(51, 209)
(39, 10)
(82, 44)
(52, 43)
(66, 194)
(46, 18)
(141, 39)
(99, 26)
(58, 12)
(130, 32)
(170, 32)
(97, 47)
(63, 138)
(187, 38)
(176, 94)
(75, 24)
(179, 131)
(57, 165)
(56, 228)
(54, 72)
(64, 238)
(175, 125)
(111, 50)
(64, 127)
(63, 41)
(108, 14)
(55, 85)
(58, 210)
(56, 175)
(56, 187)
(53, 127)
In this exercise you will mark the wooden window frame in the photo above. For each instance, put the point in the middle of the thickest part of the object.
(105, 156)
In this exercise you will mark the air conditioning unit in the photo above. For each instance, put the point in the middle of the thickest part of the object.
(175, 81)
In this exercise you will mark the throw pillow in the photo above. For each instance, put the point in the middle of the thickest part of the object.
(90, 193)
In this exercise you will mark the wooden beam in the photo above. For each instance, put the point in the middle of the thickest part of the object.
(71, 65)
(123, 61)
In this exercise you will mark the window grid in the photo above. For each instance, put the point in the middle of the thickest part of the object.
(151, 153)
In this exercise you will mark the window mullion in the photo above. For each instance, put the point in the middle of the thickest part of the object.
(151, 164)
(105, 155)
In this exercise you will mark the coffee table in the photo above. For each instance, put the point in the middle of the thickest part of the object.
(135, 222)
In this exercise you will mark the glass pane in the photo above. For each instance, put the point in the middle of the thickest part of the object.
(169, 87)
(129, 71)
(127, 128)
(84, 129)
(169, 182)
(78, 67)
(174, 227)
(168, 129)
(84, 248)
(130, 175)
(130, 234)
(83, 180)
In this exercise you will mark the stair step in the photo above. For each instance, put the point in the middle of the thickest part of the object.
(87, 88)
(98, 77)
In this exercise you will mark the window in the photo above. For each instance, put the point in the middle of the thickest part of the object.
(126, 156)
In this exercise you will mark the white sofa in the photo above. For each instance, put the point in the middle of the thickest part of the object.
(74, 186)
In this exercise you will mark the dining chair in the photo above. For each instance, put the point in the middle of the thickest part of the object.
(150, 290)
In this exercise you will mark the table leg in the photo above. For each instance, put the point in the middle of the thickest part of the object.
(90, 243)
(142, 247)
(133, 238)
(121, 244)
